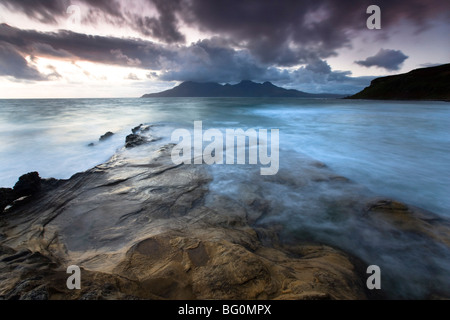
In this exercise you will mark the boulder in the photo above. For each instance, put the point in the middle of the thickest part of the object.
(134, 140)
(106, 136)
(7, 196)
(140, 129)
(136, 129)
(407, 218)
(27, 184)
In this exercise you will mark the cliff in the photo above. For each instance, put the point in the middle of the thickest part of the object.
(431, 83)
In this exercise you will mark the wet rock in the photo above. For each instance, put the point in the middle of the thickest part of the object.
(27, 184)
(136, 129)
(146, 222)
(145, 228)
(400, 216)
(39, 293)
(106, 136)
(140, 129)
(134, 140)
(177, 266)
(7, 196)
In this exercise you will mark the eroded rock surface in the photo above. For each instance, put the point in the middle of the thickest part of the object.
(141, 227)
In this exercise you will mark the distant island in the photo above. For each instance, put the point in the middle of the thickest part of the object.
(431, 83)
(245, 88)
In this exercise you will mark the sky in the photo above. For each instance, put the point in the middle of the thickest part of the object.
(117, 48)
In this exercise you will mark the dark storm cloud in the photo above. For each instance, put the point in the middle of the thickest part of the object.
(318, 77)
(165, 27)
(211, 60)
(389, 59)
(206, 60)
(41, 10)
(250, 39)
(13, 64)
(283, 32)
(290, 32)
(71, 45)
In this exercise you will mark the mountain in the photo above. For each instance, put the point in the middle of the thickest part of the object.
(431, 83)
(244, 88)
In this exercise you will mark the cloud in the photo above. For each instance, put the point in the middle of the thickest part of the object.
(318, 77)
(54, 75)
(385, 58)
(430, 64)
(132, 76)
(164, 27)
(213, 60)
(281, 33)
(72, 46)
(291, 32)
(13, 64)
(42, 10)
(206, 60)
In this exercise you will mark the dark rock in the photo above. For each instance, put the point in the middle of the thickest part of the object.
(16, 255)
(409, 219)
(136, 129)
(430, 83)
(245, 88)
(39, 293)
(140, 129)
(6, 197)
(106, 136)
(91, 144)
(134, 140)
(51, 183)
(28, 184)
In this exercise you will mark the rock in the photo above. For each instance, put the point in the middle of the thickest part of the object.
(206, 266)
(140, 129)
(7, 196)
(134, 140)
(40, 293)
(106, 136)
(91, 144)
(136, 129)
(27, 184)
(409, 219)
(143, 228)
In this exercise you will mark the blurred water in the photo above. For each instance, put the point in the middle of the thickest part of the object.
(396, 149)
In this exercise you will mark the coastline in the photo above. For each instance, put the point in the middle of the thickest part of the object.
(144, 228)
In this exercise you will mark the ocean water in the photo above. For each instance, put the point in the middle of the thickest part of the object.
(399, 150)
(396, 150)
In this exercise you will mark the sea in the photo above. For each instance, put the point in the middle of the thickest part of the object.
(393, 149)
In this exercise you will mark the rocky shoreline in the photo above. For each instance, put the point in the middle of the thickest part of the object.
(144, 228)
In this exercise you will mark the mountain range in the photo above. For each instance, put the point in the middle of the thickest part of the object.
(245, 88)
